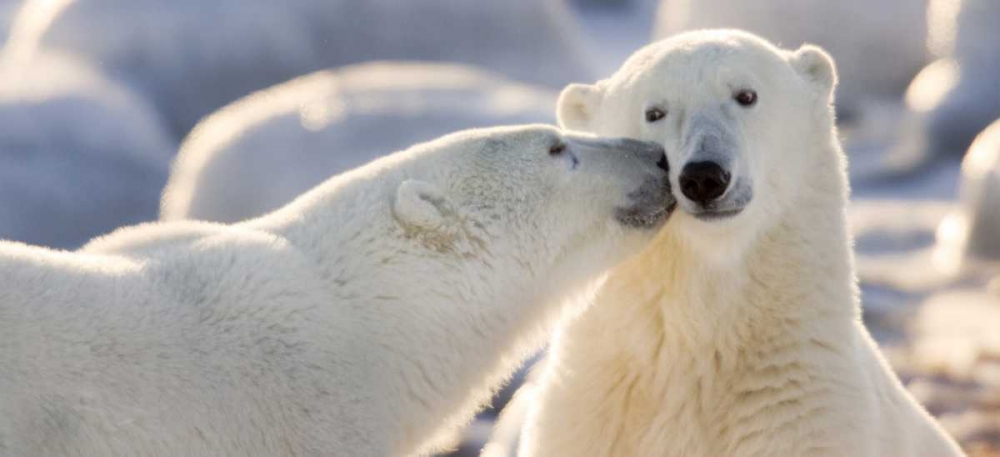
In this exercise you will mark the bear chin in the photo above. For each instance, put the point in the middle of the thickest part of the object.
(644, 218)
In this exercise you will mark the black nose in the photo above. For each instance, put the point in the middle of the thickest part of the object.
(662, 163)
(703, 182)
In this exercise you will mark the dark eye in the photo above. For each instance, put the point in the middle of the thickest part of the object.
(557, 149)
(655, 114)
(746, 97)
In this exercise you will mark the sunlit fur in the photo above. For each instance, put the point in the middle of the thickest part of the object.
(370, 317)
(731, 337)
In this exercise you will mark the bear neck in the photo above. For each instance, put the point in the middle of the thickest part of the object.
(793, 272)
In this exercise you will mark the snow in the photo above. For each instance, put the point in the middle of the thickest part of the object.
(958, 96)
(79, 155)
(191, 57)
(7, 9)
(972, 231)
(260, 152)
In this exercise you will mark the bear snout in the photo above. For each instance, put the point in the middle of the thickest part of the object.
(704, 182)
(650, 205)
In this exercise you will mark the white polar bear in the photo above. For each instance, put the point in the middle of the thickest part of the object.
(192, 57)
(738, 332)
(365, 318)
(260, 152)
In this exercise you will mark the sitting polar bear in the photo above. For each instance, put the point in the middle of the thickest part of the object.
(738, 331)
(366, 317)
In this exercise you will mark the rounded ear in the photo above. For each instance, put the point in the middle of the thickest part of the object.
(577, 105)
(816, 66)
(421, 205)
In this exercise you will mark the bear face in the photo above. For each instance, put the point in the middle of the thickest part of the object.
(740, 119)
(536, 197)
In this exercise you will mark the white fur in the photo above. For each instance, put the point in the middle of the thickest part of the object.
(369, 317)
(739, 336)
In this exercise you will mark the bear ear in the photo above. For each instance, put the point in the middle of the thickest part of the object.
(421, 205)
(577, 105)
(816, 66)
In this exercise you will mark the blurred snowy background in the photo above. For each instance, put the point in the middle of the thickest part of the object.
(230, 108)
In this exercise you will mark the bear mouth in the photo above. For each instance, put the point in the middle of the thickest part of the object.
(652, 204)
(715, 215)
(727, 208)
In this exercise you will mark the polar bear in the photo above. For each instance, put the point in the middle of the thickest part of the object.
(260, 152)
(738, 331)
(365, 318)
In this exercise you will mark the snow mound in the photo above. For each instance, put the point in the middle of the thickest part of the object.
(972, 233)
(79, 155)
(191, 57)
(957, 96)
(878, 46)
(260, 152)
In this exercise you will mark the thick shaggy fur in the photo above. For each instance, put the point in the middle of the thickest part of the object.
(729, 336)
(367, 318)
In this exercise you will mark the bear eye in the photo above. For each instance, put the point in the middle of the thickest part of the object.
(655, 114)
(557, 149)
(746, 97)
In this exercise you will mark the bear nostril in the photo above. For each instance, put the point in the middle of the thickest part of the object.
(662, 163)
(703, 182)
